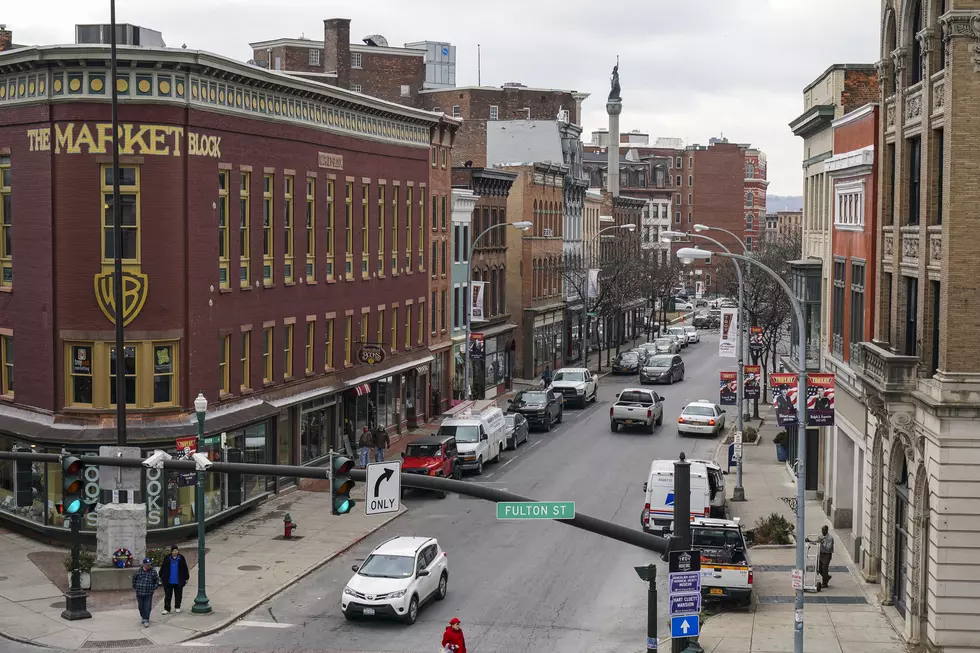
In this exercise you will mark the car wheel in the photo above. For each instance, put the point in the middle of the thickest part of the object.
(496, 459)
(561, 415)
(595, 394)
(649, 428)
(443, 586)
(660, 420)
(479, 466)
(547, 423)
(670, 381)
(614, 427)
(413, 611)
(458, 473)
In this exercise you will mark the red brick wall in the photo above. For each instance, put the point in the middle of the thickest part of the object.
(719, 193)
(336, 49)
(6, 39)
(291, 58)
(382, 75)
(53, 289)
(860, 88)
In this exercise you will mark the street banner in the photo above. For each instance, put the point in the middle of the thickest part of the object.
(820, 399)
(755, 340)
(729, 388)
(593, 283)
(753, 376)
(727, 346)
(784, 390)
(476, 311)
(477, 347)
(186, 447)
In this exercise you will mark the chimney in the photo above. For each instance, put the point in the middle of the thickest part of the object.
(6, 38)
(336, 49)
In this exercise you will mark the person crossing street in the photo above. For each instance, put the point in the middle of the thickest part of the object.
(145, 582)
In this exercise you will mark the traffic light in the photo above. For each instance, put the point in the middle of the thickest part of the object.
(342, 484)
(75, 499)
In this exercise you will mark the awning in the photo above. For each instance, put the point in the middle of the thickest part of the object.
(363, 389)
(380, 374)
(497, 329)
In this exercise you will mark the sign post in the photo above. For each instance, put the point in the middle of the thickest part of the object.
(383, 488)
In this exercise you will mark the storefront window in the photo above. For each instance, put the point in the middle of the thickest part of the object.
(385, 394)
(8, 500)
(436, 383)
(253, 442)
(317, 422)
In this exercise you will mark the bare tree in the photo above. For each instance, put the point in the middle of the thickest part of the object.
(658, 278)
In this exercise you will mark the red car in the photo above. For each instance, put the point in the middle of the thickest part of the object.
(432, 455)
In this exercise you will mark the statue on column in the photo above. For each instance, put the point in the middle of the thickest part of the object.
(614, 90)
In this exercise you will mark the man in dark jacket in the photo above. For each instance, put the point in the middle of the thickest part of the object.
(145, 582)
(173, 575)
(381, 442)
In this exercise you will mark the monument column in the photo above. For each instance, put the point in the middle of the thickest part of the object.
(614, 106)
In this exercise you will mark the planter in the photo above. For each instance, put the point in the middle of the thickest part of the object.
(782, 453)
(84, 580)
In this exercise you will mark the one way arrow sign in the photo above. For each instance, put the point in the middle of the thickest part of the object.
(384, 481)
(689, 626)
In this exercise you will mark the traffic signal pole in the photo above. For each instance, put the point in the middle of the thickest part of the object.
(76, 599)
(682, 522)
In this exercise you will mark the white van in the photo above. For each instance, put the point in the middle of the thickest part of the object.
(658, 510)
(716, 488)
(480, 433)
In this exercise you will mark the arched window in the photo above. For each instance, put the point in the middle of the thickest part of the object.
(748, 199)
(917, 62)
(536, 219)
(891, 42)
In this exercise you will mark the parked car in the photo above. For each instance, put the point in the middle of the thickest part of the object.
(664, 368)
(516, 429)
(576, 384)
(396, 579)
(707, 320)
(541, 408)
(644, 354)
(701, 418)
(679, 333)
(683, 306)
(626, 363)
(432, 455)
(667, 345)
(636, 407)
(692, 334)
(478, 427)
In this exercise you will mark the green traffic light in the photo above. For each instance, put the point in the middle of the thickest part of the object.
(72, 506)
(342, 506)
(341, 484)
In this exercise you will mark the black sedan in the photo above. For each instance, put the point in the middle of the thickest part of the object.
(626, 363)
(540, 408)
(517, 431)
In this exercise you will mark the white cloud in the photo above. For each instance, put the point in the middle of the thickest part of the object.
(692, 69)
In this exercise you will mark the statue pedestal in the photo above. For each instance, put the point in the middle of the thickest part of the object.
(121, 526)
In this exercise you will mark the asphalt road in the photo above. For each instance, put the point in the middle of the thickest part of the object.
(516, 586)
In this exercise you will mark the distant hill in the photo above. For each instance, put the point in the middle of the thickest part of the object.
(777, 203)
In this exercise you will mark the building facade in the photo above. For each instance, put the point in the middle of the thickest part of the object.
(464, 201)
(492, 374)
(274, 229)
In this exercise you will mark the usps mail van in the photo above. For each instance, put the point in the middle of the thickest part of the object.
(658, 509)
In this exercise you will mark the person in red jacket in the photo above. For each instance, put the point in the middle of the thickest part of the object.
(453, 637)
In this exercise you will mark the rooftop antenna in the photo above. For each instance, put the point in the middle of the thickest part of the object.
(478, 65)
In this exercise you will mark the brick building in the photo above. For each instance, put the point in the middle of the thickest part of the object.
(784, 225)
(534, 285)
(478, 105)
(275, 235)
(494, 373)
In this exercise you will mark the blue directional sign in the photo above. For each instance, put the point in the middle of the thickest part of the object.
(685, 582)
(689, 626)
(682, 605)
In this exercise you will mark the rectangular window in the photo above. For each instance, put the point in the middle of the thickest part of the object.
(494, 112)
(677, 199)
(365, 239)
(456, 112)
(328, 344)
(445, 156)
(356, 88)
(310, 229)
(224, 351)
(80, 386)
(837, 319)
(748, 243)
(435, 153)
(457, 240)
(7, 366)
(287, 353)
(355, 59)
(421, 236)
(433, 318)
(890, 192)
(129, 215)
(330, 229)
(381, 328)
(6, 225)
(420, 311)
(466, 304)
(935, 288)
(223, 280)
(267, 355)
(244, 244)
(677, 217)
(394, 329)
(434, 217)
(857, 302)
(314, 57)
(443, 212)
(287, 223)
(310, 349)
(267, 187)
(940, 164)
(915, 147)
(246, 368)
(364, 328)
(394, 230)
(678, 162)
(408, 327)
(409, 210)
(382, 207)
(690, 199)
(129, 369)
(348, 327)
(434, 267)
(911, 316)
(164, 375)
(443, 313)
(349, 229)
(466, 243)
(690, 182)
(445, 256)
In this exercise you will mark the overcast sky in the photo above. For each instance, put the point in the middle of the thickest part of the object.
(691, 69)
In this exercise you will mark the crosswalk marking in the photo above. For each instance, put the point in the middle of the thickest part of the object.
(262, 624)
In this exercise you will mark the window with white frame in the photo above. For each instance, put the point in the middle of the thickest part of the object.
(677, 162)
(356, 88)
(456, 113)
(314, 57)
(406, 90)
(355, 59)
(849, 204)
(494, 112)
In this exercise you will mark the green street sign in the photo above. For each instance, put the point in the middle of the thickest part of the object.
(535, 510)
(212, 441)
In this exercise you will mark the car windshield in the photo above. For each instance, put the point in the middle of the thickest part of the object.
(461, 433)
(690, 329)
(661, 361)
(628, 357)
(569, 376)
(423, 451)
(700, 411)
(380, 565)
(532, 398)
(676, 330)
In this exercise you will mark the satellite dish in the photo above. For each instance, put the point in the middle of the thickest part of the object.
(376, 40)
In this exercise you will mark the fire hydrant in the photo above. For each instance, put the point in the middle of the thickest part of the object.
(288, 526)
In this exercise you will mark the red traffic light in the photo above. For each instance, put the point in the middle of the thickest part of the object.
(344, 466)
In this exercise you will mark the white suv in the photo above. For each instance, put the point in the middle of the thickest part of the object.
(399, 576)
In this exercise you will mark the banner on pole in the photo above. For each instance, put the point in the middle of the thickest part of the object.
(477, 347)
(728, 344)
(755, 340)
(784, 391)
(593, 283)
(476, 311)
(820, 399)
(729, 388)
(753, 377)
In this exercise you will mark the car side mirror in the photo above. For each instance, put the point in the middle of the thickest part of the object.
(423, 572)
(403, 454)
(510, 401)
(355, 567)
(485, 437)
(644, 487)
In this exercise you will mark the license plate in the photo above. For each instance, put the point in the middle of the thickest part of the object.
(627, 421)
(713, 590)
(369, 612)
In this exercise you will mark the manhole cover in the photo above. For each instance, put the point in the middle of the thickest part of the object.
(249, 568)
(118, 643)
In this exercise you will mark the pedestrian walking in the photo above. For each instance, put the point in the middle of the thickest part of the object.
(145, 582)
(381, 442)
(452, 639)
(546, 376)
(173, 575)
(826, 554)
(366, 443)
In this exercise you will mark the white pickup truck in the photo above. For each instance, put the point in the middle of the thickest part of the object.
(636, 407)
(726, 573)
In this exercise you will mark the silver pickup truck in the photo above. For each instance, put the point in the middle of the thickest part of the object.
(636, 407)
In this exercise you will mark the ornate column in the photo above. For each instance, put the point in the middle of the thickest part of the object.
(962, 23)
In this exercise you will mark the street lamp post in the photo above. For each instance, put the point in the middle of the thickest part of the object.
(523, 225)
(628, 227)
(201, 603)
(689, 255)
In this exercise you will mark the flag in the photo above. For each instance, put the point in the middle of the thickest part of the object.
(729, 333)
(729, 388)
(784, 391)
(752, 375)
(820, 404)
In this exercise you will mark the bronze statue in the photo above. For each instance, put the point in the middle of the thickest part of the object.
(614, 84)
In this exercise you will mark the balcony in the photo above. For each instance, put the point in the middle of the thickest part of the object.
(888, 373)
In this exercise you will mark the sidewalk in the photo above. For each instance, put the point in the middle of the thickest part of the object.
(841, 618)
(248, 562)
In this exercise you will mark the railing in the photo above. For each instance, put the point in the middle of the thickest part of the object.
(887, 371)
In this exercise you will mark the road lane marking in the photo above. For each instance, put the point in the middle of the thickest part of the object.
(194, 644)
(262, 624)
